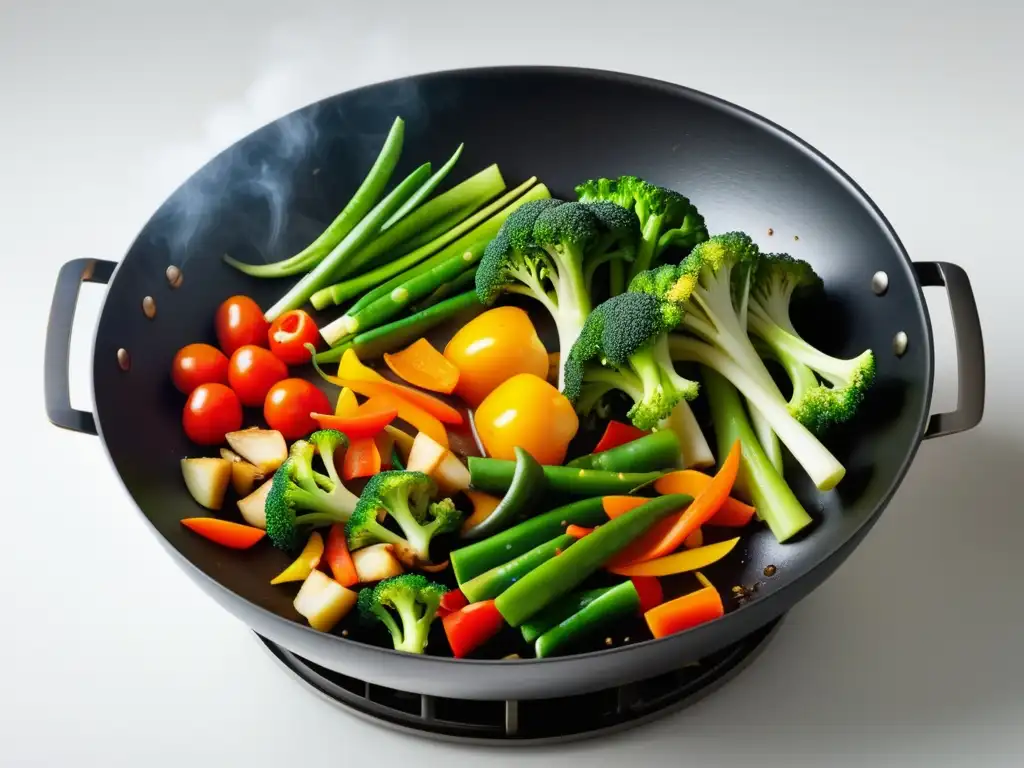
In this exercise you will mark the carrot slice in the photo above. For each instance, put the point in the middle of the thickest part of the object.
(347, 403)
(351, 368)
(423, 366)
(578, 531)
(338, 558)
(614, 506)
(681, 562)
(668, 535)
(361, 459)
(224, 532)
(685, 612)
(733, 513)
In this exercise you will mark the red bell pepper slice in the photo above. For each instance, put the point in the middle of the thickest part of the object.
(362, 459)
(616, 434)
(338, 558)
(452, 601)
(650, 592)
(472, 626)
(361, 424)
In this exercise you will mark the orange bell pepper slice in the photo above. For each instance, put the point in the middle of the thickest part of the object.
(352, 370)
(358, 425)
(685, 612)
(694, 540)
(614, 506)
(361, 459)
(669, 534)
(732, 514)
(423, 366)
(224, 532)
(338, 558)
(680, 562)
(578, 531)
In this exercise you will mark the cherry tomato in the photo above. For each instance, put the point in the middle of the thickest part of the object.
(212, 411)
(252, 372)
(289, 404)
(239, 321)
(197, 364)
(529, 412)
(494, 347)
(288, 335)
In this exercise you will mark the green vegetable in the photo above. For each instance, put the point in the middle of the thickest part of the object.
(422, 280)
(527, 484)
(557, 612)
(359, 204)
(545, 250)
(562, 574)
(378, 279)
(353, 241)
(495, 476)
(658, 450)
(413, 598)
(492, 583)
(394, 335)
(771, 496)
(615, 604)
(458, 285)
(423, 192)
(817, 406)
(405, 498)
(296, 488)
(472, 560)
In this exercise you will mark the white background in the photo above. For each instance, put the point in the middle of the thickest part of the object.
(109, 655)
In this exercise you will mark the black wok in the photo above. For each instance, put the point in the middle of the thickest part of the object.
(269, 194)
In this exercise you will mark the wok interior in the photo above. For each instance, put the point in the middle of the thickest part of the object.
(269, 195)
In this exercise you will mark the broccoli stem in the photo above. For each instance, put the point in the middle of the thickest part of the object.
(822, 467)
(397, 635)
(692, 444)
(648, 245)
(772, 496)
(415, 625)
(838, 372)
(417, 536)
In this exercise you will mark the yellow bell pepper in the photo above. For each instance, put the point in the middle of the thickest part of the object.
(680, 562)
(305, 563)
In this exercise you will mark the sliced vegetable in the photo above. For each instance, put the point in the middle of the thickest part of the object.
(244, 475)
(562, 574)
(337, 557)
(376, 563)
(403, 441)
(385, 448)
(474, 559)
(495, 476)
(557, 612)
(323, 602)
(526, 412)
(423, 192)
(694, 540)
(352, 368)
(650, 592)
(196, 364)
(732, 513)
(253, 507)
(306, 562)
(527, 485)
(615, 506)
(426, 454)
(492, 583)
(578, 531)
(452, 601)
(364, 423)
(423, 366)
(290, 333)
(492, 348)
(451, 475)
(618, 602)
(680, 562)
(224, 532)
(239, 321)
(361, 459)
(264, 448)
(207, 480)
(685, 612)
(211, 411)
(470, 627)
(347, 404)
(658, 450)
(289, 404)
(616, 434)
(669, 535)
(483, 505)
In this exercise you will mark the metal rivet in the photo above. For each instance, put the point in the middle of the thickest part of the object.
(174, 276)
(899, 343)
(880, 283)
(149, 307)
(124, 360)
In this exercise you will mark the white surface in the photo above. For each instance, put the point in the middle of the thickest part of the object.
(909, 655)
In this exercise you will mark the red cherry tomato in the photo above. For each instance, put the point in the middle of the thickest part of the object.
(197, 364)
(252, 372)
(289, 404)
(211, 411)
(288, 335)
(239, 321)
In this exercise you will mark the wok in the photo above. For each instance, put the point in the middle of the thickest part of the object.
(273, 191)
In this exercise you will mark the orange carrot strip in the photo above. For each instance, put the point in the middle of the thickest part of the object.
(578, 531)
(685, 612)
(351, 368)
(733, 513)
(224, 532)
(423, 366)
(361, 459)
(614, 506)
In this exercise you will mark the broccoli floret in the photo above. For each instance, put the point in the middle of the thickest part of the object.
(817, 406)
(616, 246)
(667, 218)
(296, 488)
(414, 598)
(405, 498)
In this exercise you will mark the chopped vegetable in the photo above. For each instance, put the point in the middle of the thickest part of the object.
(659, 450)
(337, 557)
(253, 507)
(470, 627)
(578, 531)
(452, 601)
(290, 333)
(323, 602)
(527, 485)
(362, 459)
(557, 612)
(365, 423)
(212, 410)
(423, 366)
(451, 474)
(694, 540)
(289, 404)
(495, 476)
(305, 563)
(685, 612)
(617, 433)
(692, 444)
(403, 441)
(413, 599)
(680, 562)
(615, 604)
(483, 506)
(376, 563)
(423, 192)
(385, 449)
(526, 411)
(426, 454)
(239, 321)
(493, 582)
(263, 448)
(732, 513)
(207, 480)
(224, 532)
(347, 404)
(650, 592)
(562, 574)
(616, 506)
(196, 364)
(244, 475)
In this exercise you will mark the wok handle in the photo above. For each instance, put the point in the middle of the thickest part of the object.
(58, 342)
(970, 351)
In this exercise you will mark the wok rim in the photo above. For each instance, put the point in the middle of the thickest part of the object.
(730, 619)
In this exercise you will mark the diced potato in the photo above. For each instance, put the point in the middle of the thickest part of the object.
(451, 474)
(207, 480)
(253, 506)
(228, 455)
(426, 454)
(376, 563)
(323, 601)
(265, 448)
